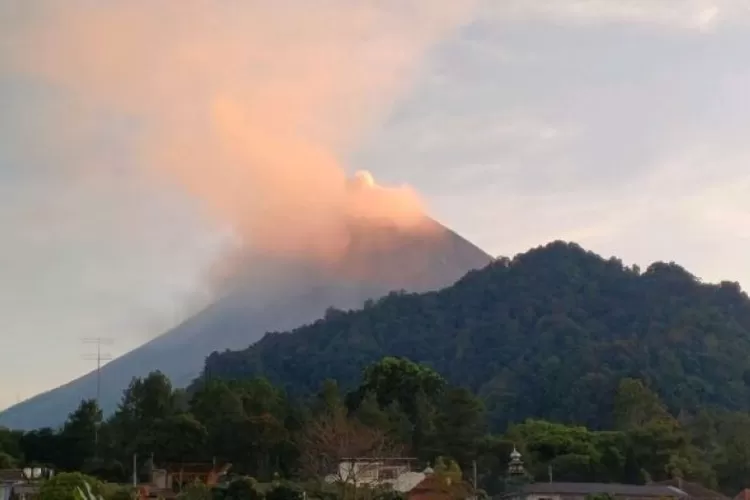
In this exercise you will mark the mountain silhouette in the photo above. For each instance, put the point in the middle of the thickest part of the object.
(269, 293)
(547, 334)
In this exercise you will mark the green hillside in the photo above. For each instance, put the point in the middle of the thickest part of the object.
(547, 334)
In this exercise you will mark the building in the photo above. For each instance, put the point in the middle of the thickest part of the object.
(168, 480)
(519, 487)
(581, 491)
(694, 490)
(380, 471)
(8, 479)
(22, 484)
(178, 474)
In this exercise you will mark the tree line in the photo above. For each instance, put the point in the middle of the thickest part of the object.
(400, 408)
(549, 334)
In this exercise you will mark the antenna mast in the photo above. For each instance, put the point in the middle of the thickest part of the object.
(99, 356)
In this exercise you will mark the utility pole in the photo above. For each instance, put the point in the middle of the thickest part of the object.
(98, 356)
(474, 465)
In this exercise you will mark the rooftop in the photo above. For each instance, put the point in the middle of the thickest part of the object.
(628, 490)
(694, 490)
(11, 475)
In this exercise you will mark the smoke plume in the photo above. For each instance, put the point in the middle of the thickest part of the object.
(250, 106)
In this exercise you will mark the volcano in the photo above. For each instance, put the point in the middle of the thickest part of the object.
(272, 294)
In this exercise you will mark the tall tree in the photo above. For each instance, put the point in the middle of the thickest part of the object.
(7, 461)
(10, 442)
(328, 400)
(79, 434)
(459, 426)
(260, 397)
(178, 438)
(723, 440)
(215, 400)
(144, 403)
(217, 407)
(42, 446)
(636, 406)
(245, 422)
(370, 413)
(400, 380)
(150, 399)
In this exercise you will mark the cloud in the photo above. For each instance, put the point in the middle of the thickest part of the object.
(136, 135)
(618, 124)
(248, 106)
(694, 15)
(648, 157)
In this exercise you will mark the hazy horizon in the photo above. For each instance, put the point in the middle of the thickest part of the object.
(617, 125)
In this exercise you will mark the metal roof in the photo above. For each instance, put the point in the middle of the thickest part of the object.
(694, 490)
(628, 490)
(10, 475)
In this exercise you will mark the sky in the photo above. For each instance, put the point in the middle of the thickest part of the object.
(616, 124)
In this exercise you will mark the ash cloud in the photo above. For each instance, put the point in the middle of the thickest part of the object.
(251, 107)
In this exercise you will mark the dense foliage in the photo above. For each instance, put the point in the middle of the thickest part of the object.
(70, 486)
(399, 409)
(594, 371)
(548, 334)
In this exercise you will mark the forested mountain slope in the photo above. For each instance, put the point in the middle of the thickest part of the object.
(273, 294)
(547, 334)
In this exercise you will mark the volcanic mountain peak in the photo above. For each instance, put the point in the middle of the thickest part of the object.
(273, 294)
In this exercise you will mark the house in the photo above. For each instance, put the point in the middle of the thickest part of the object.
(365, 470)
(381, 471)
(9, 478)
(694, 490)
(168, 480)
(25, 491)
(580, 491)
(171, 475)
(14, 484)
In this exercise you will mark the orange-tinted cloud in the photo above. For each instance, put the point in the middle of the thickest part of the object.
(251, 106)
